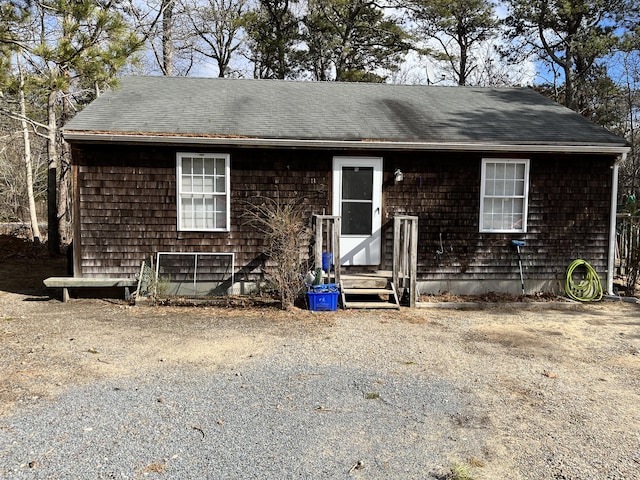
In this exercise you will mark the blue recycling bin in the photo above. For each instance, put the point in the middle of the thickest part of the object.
(323, 298)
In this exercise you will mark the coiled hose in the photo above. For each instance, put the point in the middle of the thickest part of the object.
(589, 289)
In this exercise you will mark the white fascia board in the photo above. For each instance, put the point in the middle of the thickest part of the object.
(79, 136)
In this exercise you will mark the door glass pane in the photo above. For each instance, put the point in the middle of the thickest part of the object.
(357, 183)
(356, 218)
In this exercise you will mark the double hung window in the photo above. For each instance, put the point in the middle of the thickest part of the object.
(203, 191)
(504, 195)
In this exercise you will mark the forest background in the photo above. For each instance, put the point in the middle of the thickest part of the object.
(56, 56)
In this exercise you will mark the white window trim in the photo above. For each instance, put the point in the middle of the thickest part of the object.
(523, 161)
(227, 171)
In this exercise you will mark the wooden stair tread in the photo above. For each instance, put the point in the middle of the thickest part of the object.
(368, 291)
(361, 292)
(371, 305)
(376, 274)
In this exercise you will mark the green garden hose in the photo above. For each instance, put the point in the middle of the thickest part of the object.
(589, 289)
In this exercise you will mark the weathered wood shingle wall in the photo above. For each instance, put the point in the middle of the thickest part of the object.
(127, 209)
(569, 208)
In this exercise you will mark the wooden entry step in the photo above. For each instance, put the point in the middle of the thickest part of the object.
(370, 297)
(378, 279)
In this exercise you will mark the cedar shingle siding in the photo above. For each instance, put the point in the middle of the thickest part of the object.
(569, 208)
(127, 209)
(127, 203)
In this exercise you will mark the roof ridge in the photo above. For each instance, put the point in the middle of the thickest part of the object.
(327, 82)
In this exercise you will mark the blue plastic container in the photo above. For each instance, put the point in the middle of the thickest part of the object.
(327, 261)
(323, 298)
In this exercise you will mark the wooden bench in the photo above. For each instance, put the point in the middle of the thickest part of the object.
(65, 283)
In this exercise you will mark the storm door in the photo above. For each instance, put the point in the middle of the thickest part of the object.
(357, 197)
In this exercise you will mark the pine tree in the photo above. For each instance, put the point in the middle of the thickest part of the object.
(353, 40)
(74, 50)
(573, 37)
(457, 27)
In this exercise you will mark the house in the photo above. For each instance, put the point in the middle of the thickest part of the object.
(167, 165)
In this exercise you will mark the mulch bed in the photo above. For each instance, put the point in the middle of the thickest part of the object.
(491, 297)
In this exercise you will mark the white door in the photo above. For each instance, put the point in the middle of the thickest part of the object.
(357, 198)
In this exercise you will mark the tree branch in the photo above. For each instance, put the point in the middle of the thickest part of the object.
(16, 116)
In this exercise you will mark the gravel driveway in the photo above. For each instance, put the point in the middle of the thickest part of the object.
(100, 390)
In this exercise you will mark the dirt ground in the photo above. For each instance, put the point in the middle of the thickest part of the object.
(556, 379)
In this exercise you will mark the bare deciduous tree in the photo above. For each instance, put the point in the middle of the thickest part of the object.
(28, 168)
(218, 26)
(457, 27)
(166, 30)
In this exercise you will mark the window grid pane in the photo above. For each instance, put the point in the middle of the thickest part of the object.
(203, 199)
(203, 211)
(504, 196)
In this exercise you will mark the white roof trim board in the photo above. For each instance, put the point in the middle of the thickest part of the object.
(320, 144)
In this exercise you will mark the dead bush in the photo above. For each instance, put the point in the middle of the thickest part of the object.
(285, 226)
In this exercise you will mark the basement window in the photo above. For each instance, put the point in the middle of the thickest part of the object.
(198, 274)
(203, 191)
(504, 195)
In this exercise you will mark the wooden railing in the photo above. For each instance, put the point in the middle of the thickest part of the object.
(405, 256)
(405, 250)
(327, 240)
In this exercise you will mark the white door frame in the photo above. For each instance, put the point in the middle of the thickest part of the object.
(360, 249)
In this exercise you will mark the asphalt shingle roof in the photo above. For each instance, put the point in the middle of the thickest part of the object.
(330, 111)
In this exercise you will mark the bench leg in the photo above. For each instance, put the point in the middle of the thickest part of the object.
(65, 294)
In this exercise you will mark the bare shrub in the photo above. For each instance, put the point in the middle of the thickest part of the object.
(285, 226)
(633, 271)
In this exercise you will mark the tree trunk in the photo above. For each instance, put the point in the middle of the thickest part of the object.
(64, 168)
(167, 37)
(33, 217)
(462, 77)
(52, 176)
(569, 94)
(63, 197)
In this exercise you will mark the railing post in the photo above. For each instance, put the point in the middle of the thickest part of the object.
(337, 228)
(405, 255)
(413, 263)
(318, 245)
(333, 225)
(396, 251)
